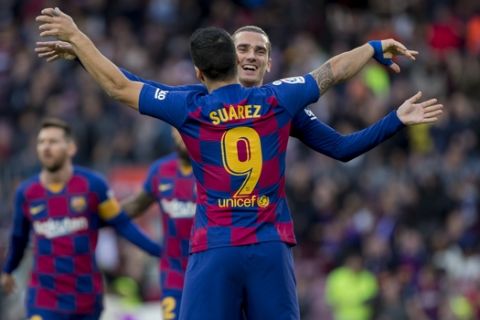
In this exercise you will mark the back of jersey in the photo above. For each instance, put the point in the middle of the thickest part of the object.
(237, 139)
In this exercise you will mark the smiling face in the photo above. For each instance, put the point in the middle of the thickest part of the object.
(253, 57)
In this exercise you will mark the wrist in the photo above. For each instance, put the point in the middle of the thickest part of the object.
(378, 53)
(398, 118)
(76, 37)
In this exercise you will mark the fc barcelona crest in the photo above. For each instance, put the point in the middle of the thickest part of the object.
(78, 203)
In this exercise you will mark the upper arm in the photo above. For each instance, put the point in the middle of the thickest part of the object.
(295, 93)
(21, 223)
(323, 75)
(108, 206)
(130, 94)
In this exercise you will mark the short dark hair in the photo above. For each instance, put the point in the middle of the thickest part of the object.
(213, 52)
(57, 123)
(257, 29)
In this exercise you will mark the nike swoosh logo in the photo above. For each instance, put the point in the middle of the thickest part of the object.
(165, 187)
(37, 209)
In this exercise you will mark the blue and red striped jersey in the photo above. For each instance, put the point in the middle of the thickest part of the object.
(64, 220)
(175, 192)
(236, 138)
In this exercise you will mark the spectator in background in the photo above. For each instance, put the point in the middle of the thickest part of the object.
(351, 290)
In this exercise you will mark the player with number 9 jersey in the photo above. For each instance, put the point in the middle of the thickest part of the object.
(236, 138)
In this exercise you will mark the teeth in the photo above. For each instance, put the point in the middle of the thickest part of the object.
(249, 67)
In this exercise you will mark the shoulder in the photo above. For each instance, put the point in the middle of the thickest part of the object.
(95, 178)
(168, 160)
(27, 184)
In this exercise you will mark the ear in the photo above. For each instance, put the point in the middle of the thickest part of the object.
(199, 75)
(269, 65)
(72, 149)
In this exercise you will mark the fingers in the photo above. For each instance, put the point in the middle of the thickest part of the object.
(433, 110)
(45, 19)
(46, 54)
(49, 12)
(46, 26)
(427, 103)
(415, 98)
(49, 33)
(53, 58)
(45, 45)
(394, 67)
(411, 54)
(44, 49)
(400, 48)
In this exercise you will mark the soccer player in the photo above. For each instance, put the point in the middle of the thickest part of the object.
(170, 182)
(63, 207)
(236, 138)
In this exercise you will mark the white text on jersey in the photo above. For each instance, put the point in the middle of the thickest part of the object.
(178, 209)
(55, 228)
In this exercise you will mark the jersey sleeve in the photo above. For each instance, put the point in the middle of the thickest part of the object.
(295, 93)
(108, 206)
(149, 183)
(324, 139)
(128, 230)
(190, 87)
(20, 234)
(169, 106)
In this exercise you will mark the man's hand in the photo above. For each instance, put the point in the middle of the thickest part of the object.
(53, 50)
(385, 50)
(55, 23)
(411, 112)
(7, 283)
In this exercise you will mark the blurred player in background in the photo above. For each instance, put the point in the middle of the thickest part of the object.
(171, 183)
(64, 206)
(242, 218)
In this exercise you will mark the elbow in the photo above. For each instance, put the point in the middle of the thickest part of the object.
(115, 92)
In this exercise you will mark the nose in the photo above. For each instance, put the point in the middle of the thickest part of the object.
(251, 54)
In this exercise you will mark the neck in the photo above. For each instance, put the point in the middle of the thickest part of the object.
(60, 176)
(185, 165)
(214, 84)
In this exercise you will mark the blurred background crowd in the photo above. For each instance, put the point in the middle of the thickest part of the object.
(393, 234)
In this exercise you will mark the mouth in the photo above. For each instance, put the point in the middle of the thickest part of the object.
(249, 67)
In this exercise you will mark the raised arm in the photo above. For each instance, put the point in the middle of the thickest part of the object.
(54, 22)
(324, 139)
(345, 65)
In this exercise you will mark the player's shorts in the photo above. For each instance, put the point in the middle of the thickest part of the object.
(256, 281)
(40, 314)
(171, 303)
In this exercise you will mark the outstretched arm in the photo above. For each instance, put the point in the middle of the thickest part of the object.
(127, 229)
(54, 50)
(56, 23)
(137, 204)
(345, 65)
(324, 139)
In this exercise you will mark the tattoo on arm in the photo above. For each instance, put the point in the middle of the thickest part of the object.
(324, 77)
(137, 204)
